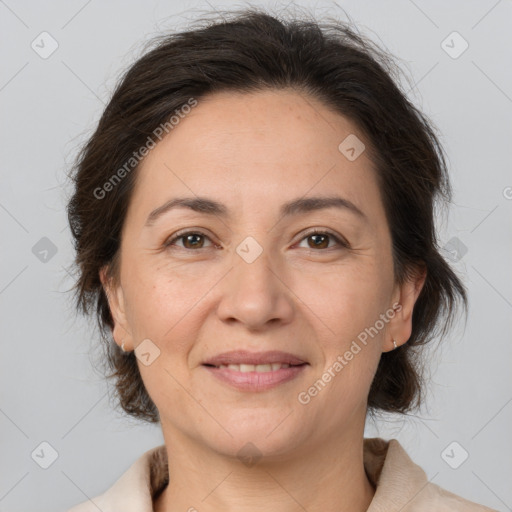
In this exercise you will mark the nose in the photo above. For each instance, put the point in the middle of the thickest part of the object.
(255, 294)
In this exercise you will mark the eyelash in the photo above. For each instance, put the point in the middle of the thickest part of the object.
(183, 234)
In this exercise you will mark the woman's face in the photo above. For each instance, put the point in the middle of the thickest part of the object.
(255, 279)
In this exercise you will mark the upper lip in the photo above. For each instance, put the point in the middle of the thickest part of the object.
(245, 357)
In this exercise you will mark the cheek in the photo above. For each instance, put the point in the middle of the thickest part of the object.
(167, 309)
(345, 300)
(149, 303)
(166, 305)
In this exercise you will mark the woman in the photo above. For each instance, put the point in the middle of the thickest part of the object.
(254, 225)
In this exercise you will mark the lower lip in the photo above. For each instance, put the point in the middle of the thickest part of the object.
(256, 381)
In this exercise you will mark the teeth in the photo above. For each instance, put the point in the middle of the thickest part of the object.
(255, 367)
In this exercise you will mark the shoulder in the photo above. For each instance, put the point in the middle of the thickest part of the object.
(444, 500)
(403, 485)
(134, 490)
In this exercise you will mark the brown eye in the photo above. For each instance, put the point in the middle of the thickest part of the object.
(191, 240)
(194, 240)
(320, 240)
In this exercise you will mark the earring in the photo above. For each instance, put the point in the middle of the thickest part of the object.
(122, 347)
(394, 343)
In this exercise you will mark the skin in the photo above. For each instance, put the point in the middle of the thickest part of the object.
(254, 152)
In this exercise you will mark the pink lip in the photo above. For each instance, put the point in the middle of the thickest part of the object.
(256, 381)
(245, 357)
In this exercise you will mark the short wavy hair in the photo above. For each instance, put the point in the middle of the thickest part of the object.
(252, 51)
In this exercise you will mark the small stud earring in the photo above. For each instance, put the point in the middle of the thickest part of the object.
(394, 343)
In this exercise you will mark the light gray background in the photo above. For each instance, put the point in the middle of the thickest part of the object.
(49, 392)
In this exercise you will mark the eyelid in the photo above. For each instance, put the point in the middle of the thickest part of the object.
(339, 240)
(182, 233)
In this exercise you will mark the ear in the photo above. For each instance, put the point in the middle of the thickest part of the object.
(121, 331)
(405, 296)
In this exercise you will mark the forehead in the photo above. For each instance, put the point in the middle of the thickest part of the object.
(251, 150)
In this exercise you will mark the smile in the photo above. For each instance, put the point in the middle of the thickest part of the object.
(255, 378)
(254, 367)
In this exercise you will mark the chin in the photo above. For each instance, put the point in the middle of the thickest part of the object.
(259, 432)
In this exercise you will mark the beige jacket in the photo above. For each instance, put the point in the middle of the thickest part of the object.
(401, 485)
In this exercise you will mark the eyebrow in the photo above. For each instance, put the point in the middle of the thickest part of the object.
(295, 207)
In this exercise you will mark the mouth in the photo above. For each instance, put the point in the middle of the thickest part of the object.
(246, 358)
(260, 368)
(256, 371)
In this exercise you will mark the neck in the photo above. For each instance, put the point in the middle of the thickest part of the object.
(328, 477)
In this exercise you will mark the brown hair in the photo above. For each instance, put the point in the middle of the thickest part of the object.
(254, 51)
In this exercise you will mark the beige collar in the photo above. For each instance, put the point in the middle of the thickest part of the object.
(401, 485)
